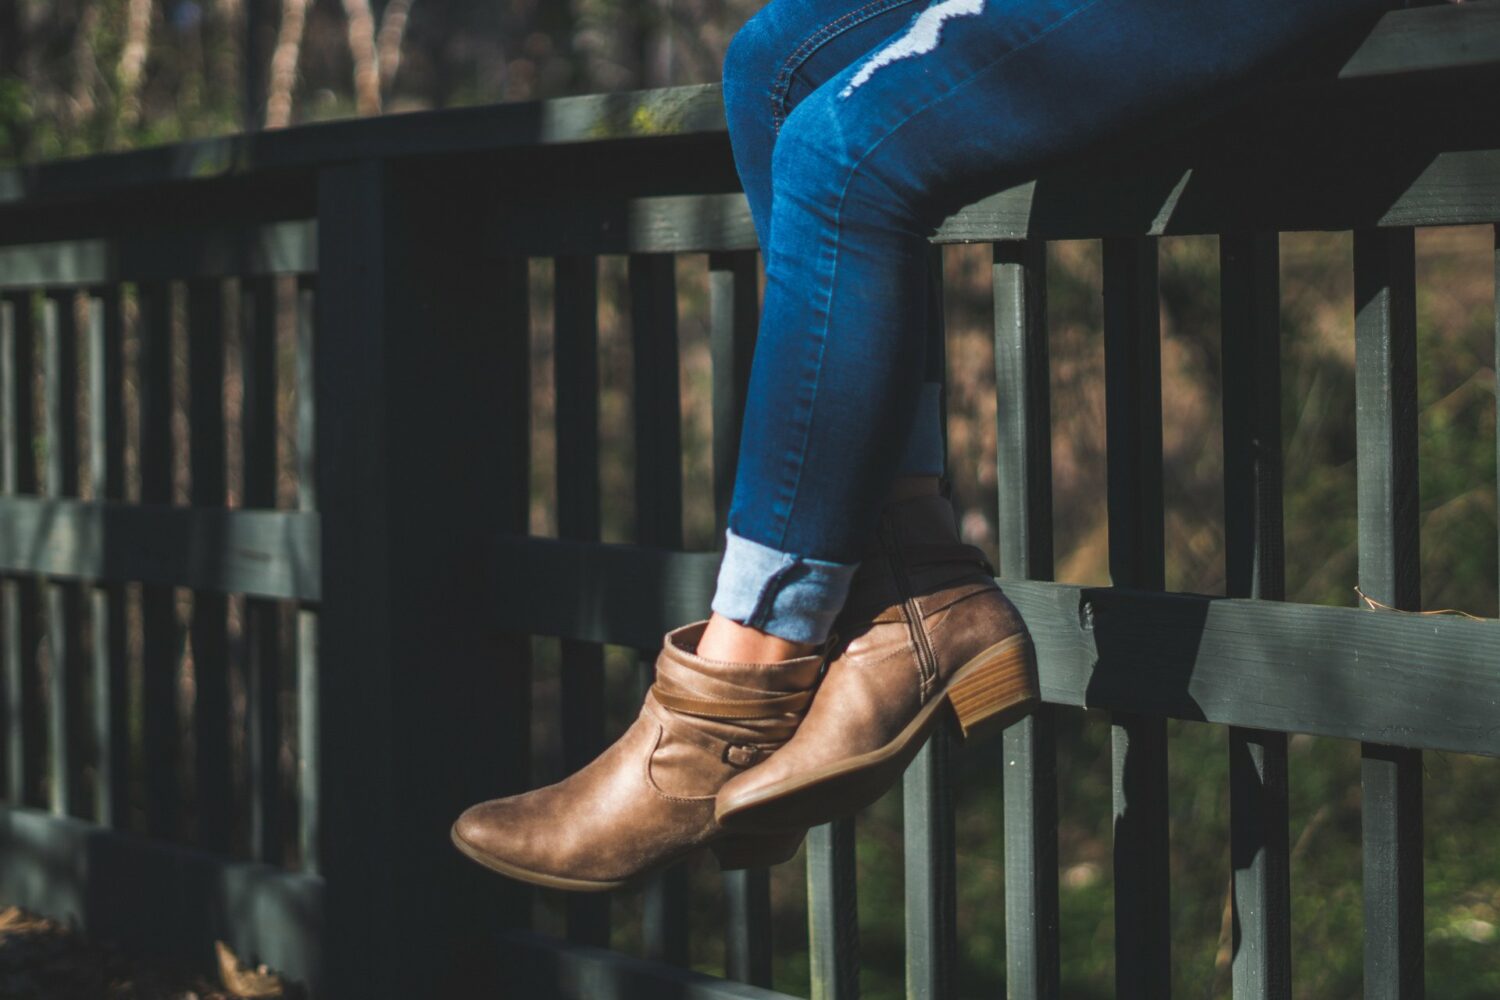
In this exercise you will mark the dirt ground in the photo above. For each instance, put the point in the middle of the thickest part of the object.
(41, 959)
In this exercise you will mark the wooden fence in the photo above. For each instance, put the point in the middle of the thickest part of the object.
(386, 587)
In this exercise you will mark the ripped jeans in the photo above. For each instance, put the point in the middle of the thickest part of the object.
(859, 125)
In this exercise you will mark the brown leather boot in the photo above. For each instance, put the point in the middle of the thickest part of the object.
(649, 799)
(924, 633)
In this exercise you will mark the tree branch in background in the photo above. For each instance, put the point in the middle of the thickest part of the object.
(133, 59)
(85, 65)
(284, 63)
(388, 41)
(362, 48)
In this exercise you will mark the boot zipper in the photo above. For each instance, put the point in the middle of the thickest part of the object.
(926, 659)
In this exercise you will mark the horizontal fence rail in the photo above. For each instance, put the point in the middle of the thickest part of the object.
(273, 582)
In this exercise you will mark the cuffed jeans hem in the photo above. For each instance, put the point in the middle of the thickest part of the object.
(923, 454)
(794, 597)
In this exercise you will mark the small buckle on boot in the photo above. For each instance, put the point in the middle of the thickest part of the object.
(741, 756)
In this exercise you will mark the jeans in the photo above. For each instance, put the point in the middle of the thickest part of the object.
(857, 127)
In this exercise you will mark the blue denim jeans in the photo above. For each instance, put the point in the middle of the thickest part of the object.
(859, 125)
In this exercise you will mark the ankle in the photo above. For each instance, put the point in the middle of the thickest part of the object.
(728, 641)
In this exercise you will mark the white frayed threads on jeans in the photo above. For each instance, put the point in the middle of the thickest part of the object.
(920, 38)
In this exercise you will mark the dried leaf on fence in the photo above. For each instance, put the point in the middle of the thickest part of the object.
(243, 982)
(1375, 605)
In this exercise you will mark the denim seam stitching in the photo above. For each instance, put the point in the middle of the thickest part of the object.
(838, 218)
(765, 600)
(782, 83)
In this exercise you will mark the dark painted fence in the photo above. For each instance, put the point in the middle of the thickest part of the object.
(387, 588)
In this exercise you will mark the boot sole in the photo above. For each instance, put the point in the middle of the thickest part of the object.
(992, 690)
(733, 852)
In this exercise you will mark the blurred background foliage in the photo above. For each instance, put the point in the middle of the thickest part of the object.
(81, 76)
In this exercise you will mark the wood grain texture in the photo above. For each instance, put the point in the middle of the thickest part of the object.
(20, 598)
(1385, 362)
(1255, 560)
(1024, 475)
(262, 552)
(64, 599)
(833, 911)
(1132, 377)
(106, 372)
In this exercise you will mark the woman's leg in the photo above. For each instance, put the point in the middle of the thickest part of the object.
(967, 98)
(782, 54)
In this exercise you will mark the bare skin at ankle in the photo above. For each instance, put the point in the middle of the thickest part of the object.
(727, 640)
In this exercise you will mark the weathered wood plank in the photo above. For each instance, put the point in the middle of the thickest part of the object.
(64, 599)
(1181, 196)
(544, 967)
(576, 385)
(209, 626)
(24, 709)
(1340, 672)
(159, 650)
(262, 642)
(1024, 475)
(512, 712)
(1254, 557)
(734, 309)
(733, 312)
(747, 926)
(1132, 366)
(927, 786)
(106, 338)
(1385, 333)
(658, 511)
(262, 552)
(161, 900)
(832, 911)
(407, 365)
(163, 255)
(308, 685)
(931, 893)
(1440, 37)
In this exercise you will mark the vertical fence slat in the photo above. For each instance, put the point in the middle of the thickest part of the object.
(927, 788)
(931, 904)
(1024, 472)
(406, 372)
(158, 616)
(262, 643)
(1259, 852)
(513, 516)
(64, 604)
(309, 757)
(24, 734)
(107, 469)
(576, 371)
(832, 911)
(658, 509)
(1132, 361)
(209, 628)
(1386, 426)
(733, 311)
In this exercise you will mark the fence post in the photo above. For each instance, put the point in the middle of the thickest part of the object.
(415, 694)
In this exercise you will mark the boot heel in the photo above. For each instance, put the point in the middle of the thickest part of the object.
(756, 850)
(995, 688)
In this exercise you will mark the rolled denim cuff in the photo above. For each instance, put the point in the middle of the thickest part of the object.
(791, 596)
(923, 453)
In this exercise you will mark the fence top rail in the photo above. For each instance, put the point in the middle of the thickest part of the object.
(1403, 43)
